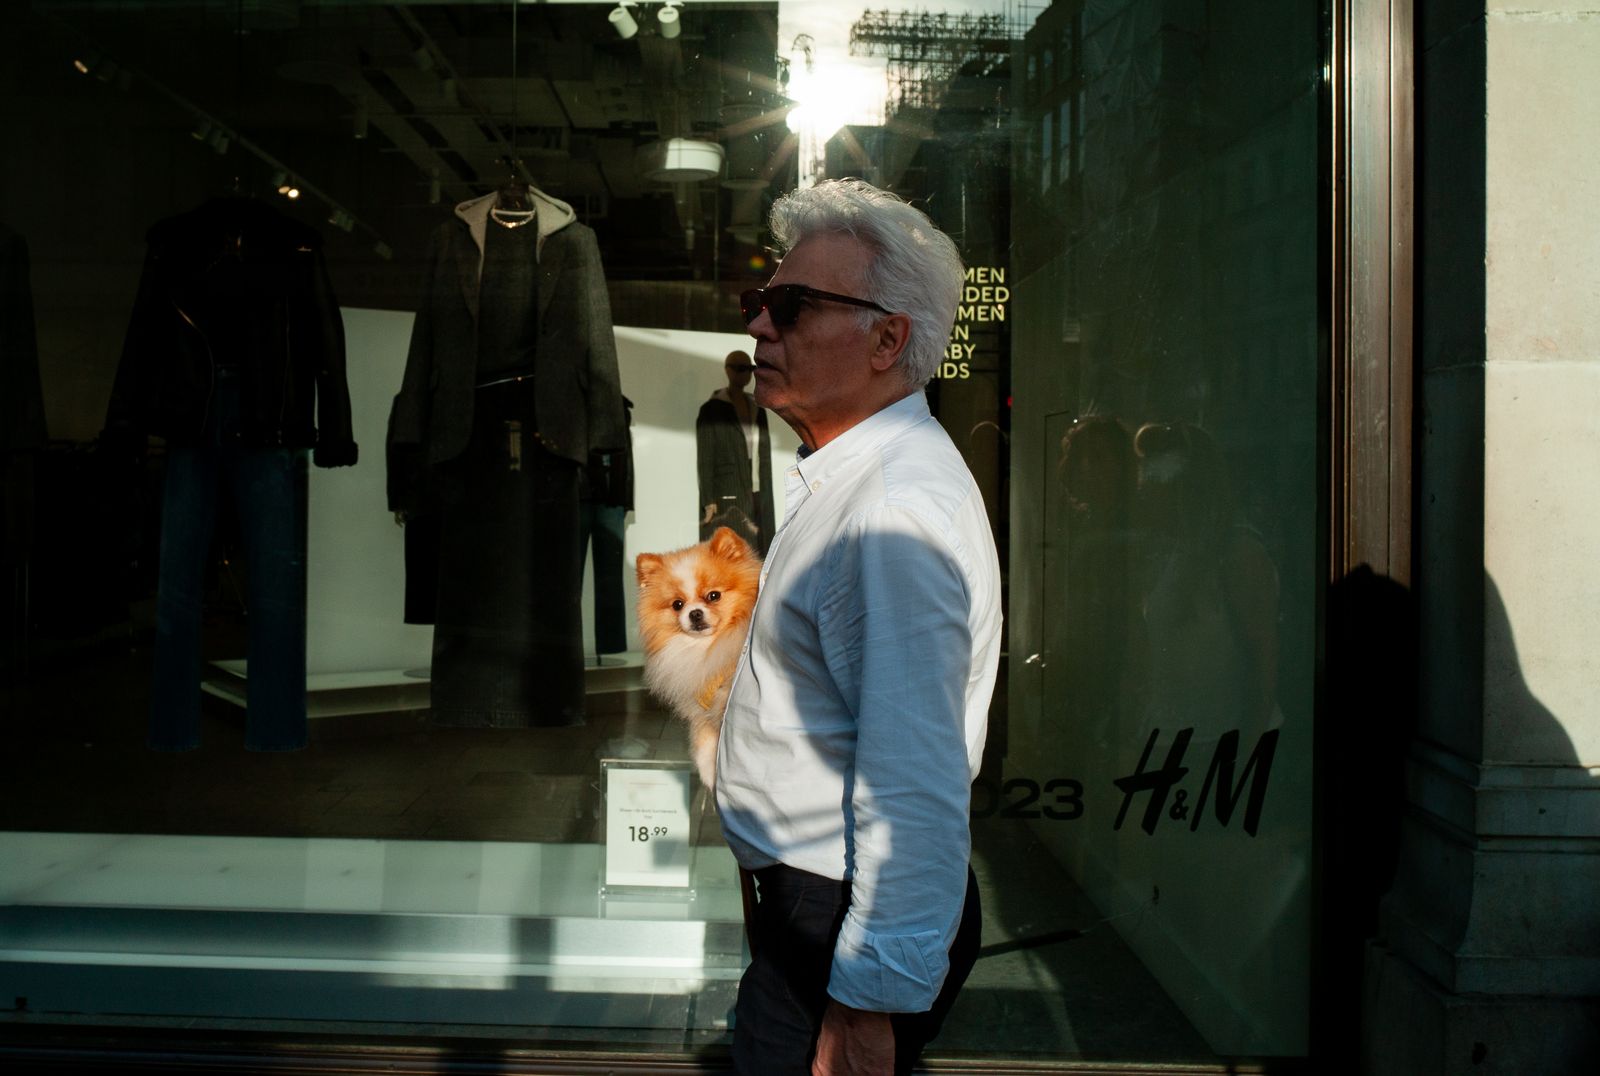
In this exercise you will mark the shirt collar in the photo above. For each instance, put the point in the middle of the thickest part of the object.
(864, 437)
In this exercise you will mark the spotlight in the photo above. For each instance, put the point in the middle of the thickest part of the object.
(290, 192)
(84, 66)
(279, 181)
(202, 131)
(667, 18)
(622, 21)
(382, 250)
(423, 57)
(220, 141)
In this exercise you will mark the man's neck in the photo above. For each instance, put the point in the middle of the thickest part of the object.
(814, 435)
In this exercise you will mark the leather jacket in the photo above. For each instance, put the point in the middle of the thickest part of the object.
(235, 283)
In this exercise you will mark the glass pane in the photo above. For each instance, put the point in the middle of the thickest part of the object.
(279, 758)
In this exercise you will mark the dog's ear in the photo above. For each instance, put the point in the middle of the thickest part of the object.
(647, 566)
(727, 544)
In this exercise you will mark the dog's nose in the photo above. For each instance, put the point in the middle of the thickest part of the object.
(697, 618)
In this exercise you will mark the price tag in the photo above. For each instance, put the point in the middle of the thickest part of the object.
(647, 823)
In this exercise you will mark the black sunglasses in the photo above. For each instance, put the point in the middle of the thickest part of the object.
(783, 302)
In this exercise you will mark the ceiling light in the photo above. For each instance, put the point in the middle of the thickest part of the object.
(681, 160)
(280, 181)
(382, 250)
(622, 21)
(291, 193)
(667, 17)
(83, 66)
(202, 131)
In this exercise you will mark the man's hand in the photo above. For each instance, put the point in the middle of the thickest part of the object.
(854, 1042)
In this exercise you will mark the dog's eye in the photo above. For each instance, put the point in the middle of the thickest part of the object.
(677, 605)
(712, 596)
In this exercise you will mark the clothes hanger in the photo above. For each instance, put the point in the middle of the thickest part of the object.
(513, 203)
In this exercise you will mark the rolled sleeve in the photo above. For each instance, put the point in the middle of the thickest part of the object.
(895, 625)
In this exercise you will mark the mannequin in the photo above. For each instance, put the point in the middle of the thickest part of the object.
(511, 386)
(735, 459)
(235, 332)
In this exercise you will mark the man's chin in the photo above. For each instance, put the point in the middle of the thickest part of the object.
(765, 391)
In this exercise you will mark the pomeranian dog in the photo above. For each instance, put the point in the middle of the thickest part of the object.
(694, 614)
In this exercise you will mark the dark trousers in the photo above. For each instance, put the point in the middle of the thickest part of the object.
(268, 487)
(600, 530)
(784, 991)
(508, 641)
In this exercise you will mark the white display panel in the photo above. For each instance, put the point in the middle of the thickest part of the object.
(355, 571)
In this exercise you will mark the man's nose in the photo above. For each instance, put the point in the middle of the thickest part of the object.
(762, 327)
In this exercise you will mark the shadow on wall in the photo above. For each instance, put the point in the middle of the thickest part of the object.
(1365, 755)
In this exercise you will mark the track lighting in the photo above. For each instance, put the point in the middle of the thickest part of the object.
(622, 21)
(667, 19)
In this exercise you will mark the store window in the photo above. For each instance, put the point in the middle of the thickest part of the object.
(263, 765)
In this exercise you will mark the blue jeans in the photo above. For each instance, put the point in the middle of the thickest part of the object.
(268, 487)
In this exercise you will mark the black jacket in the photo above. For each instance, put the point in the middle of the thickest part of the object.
(236, 283)
(577, 390)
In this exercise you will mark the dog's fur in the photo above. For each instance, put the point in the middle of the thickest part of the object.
(694, 615)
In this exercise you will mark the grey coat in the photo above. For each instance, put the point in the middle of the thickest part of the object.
(577, 390)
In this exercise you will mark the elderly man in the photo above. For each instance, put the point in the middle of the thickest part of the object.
(856, 720)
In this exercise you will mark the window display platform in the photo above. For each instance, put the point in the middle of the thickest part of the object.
(303, 929)
(608, 679)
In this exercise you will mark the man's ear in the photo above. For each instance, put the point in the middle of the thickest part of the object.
(890, 337)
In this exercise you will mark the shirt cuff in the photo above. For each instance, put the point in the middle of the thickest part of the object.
(887, 972)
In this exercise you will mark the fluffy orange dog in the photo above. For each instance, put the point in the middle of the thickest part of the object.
(694, 614)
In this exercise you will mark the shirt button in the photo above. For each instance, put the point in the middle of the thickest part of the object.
(815, 486)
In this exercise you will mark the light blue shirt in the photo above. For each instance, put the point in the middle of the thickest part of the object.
(856, 720)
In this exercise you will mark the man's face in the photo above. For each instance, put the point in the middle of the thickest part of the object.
(819, 367)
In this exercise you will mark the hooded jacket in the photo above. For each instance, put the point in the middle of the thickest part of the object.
(236, 283)
(577, 389)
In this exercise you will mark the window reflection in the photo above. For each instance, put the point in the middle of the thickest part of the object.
(1132, 381)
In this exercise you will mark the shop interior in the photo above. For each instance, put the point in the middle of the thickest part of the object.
(398, 875)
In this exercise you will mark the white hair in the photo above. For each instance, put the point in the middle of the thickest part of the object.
(915, 268)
